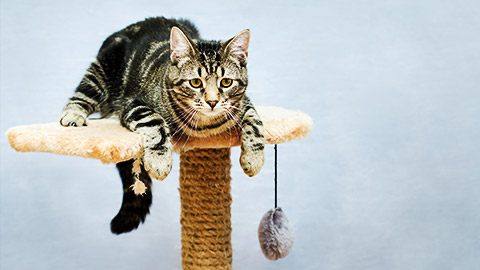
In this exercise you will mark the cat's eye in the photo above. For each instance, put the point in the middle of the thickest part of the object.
(226, 82)
(196, 83)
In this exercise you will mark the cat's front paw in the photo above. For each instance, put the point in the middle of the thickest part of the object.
(252, 161)
(158, 163)
(73, 119)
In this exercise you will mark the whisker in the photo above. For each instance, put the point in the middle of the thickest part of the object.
(184, 124)
(236, 120)
(184, 113)
(190, 134)
(229, 131)
(181, 128)
(236, 108)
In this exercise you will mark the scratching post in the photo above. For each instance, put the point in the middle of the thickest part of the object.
(204, 171)
(205, 203)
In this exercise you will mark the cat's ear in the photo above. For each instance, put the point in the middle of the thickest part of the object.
(180, 46)
(238, 46)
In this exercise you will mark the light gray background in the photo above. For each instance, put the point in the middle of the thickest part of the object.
(389, 178)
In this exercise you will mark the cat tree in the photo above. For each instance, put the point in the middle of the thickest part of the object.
(204, 171)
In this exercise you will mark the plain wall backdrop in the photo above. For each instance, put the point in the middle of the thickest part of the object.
(388, 179)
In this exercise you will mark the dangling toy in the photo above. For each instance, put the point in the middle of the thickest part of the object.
(275, 232)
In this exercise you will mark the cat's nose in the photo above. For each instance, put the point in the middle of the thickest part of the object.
(212, 103)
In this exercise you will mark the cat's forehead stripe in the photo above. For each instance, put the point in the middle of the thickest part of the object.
(208, 46)
(209, 55)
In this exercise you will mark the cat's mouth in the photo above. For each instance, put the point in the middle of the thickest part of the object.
(210, 112)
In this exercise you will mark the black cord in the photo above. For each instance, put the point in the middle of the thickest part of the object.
(275, 175)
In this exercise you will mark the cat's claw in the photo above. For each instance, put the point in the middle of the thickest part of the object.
(252, 161)
(158, 163)
(72, 119)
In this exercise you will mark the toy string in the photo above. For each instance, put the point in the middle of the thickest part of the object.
(275, 175)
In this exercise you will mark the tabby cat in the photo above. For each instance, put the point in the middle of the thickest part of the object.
(160, 79)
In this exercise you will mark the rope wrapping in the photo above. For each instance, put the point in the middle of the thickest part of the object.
(205, 209)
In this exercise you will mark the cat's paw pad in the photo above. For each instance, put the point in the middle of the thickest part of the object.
(158, 163)
(73, 119)
(252, 161)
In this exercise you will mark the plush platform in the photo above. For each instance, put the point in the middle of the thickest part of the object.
(106, 140)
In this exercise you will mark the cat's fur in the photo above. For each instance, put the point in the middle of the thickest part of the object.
(146, 75)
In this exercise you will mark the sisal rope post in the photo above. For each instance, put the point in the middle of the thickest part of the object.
(205, 209)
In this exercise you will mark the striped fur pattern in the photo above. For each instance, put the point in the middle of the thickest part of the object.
(162, 81)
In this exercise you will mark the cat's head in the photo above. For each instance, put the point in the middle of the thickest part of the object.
(209, 77)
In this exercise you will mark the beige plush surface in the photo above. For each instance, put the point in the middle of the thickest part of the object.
(106, 140)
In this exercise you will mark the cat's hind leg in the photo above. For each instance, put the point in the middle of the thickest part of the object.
(89, 94)
(134, 207)
(102, 77)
